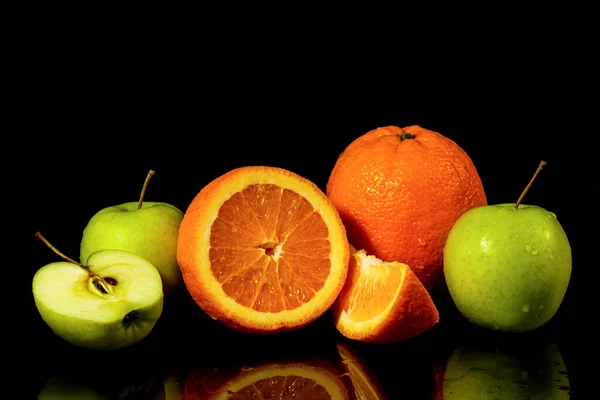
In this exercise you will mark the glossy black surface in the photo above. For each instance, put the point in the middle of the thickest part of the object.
(186, 341)
(100, 137)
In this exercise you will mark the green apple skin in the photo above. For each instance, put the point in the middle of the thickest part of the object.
(150, 232)
(489, 375)
(507, 269)
(82, 315)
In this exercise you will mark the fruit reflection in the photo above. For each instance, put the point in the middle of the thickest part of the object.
(64, 385)
(535, 372)
(296, 380)
(167, 387)
(364, 386)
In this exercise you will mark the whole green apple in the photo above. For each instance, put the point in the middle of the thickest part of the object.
(112, 302)
(507, 266)
(148, 229)
(482, 374)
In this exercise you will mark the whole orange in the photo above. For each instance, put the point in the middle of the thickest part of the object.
(400, 190)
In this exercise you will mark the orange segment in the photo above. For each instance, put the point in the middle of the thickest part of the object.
(272, 381)
(262, 249)
(373, 289)
(382, 302)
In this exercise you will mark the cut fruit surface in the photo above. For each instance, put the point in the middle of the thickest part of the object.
(382, 302)
(263, 250)
(271, 381)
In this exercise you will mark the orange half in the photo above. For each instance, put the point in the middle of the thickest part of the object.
(382, 302)
(274, 381)
(263, 250)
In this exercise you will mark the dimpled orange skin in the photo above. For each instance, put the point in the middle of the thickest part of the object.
(399, 199)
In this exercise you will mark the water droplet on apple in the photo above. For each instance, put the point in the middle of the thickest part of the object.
(534, 252)
(552, 257)
(527, 247)
(514, 237)
(541, 306)
(551, 214)
(525, 308)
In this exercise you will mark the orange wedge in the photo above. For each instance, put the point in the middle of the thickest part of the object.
(382, 302)
(263, 250)
(273, 381)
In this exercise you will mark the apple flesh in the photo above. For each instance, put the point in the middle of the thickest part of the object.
(150, 232)
(507, 268)
(113, 304)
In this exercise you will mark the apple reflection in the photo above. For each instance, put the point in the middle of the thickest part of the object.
(535, 372)
(67, 388)
(68, 385)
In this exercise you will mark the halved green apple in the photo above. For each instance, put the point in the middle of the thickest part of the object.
(112, 302)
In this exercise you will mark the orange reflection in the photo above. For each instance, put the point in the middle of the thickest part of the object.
(363, 385)
(297, 380)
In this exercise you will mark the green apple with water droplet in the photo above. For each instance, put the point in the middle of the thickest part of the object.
(148, 229)
(508, 266)
(112, 302)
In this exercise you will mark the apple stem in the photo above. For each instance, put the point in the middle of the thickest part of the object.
(150, 174)
(537, 171)
(54, 249)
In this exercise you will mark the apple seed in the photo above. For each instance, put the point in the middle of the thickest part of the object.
(101, 285)
(110, 280)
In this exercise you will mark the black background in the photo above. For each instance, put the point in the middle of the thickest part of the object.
(94, 122)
